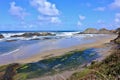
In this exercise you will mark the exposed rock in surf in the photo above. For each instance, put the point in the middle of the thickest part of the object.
(1, 36)
(47, 34)
(34, 34)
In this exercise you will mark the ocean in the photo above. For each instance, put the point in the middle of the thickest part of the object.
(36, 44)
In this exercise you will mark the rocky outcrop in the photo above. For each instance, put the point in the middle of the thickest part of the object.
(30, 34)
(117, 40)
(104, 31)
(10, 72)
(1, 36)
(47, 34)
(117, 30)
(95, 31)
(90, 31)
(34, 34)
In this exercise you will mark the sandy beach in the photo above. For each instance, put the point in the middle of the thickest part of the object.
(99, 43)
(104, 50)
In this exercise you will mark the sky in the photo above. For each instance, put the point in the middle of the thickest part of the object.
(59, 14)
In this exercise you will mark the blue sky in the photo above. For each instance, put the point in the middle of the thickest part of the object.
(59, 14)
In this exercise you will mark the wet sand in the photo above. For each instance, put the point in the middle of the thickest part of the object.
(57, 52)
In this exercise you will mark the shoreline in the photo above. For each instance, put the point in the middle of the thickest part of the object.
(106, 48)
(99, 43)
(59, 52)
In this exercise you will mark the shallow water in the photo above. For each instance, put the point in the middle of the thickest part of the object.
(59, 64)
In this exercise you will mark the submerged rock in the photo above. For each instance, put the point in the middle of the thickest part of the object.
(10, 40)
(35, 39)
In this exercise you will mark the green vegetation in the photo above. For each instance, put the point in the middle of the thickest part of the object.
(79, 75)
(2, 68)
(108, 69)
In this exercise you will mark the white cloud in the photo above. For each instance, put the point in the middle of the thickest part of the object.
(100, 9)
(117, 17)
(79, 23)
(48, 13)
(55, 20)
(49, 19)
(115, 4)
(43, 18)
(117, 20)
(45, 8)
(81, 17)
(17, 11)
(100, 22)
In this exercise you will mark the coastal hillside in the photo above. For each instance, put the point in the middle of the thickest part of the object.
(108, 69)
(100, 31)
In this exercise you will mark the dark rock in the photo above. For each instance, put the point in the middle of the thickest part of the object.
(31, 34)
(46, 38)
(34, 34)
(16, 36)
(117, 40)
(10, 72)
(36, 39)
(118, 30)
(47, 34)
(94, 62)
(10, 40)
(1, 36)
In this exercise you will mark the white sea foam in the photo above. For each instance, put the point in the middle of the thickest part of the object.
(66, 33)
(10, 52)
(58, 35)
(8, 35)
